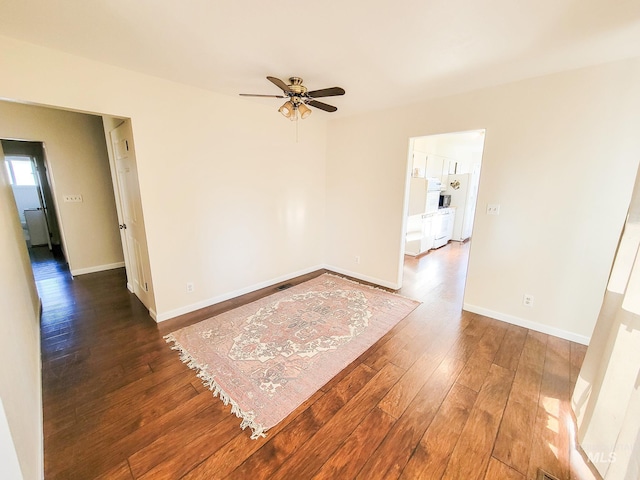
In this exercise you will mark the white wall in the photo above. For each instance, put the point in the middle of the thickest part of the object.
(78, 163)
(20, 387)
(230, 200)
(9, 462)
(560, 156)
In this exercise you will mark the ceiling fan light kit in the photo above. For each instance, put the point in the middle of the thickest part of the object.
(304, 111)
(298, 97)
(287, 109)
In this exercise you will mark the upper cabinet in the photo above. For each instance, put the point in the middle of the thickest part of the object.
(419, 165)
(441, 167)
(434, 165)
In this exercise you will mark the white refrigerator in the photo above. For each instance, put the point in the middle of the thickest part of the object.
(463, 189)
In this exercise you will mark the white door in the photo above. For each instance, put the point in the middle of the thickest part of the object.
(132, 230)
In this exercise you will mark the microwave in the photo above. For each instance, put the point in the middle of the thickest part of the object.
(445, 201)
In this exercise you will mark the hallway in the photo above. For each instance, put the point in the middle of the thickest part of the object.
(442, 395)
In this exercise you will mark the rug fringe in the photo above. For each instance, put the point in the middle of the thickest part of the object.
(248, 418)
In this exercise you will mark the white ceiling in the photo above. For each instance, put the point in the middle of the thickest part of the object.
(383, 53)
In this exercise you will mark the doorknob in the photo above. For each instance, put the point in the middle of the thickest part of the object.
(123, 226)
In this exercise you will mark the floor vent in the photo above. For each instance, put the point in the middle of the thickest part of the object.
(284, 286)
(542, 475)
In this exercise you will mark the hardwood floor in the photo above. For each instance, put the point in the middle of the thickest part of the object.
(444, 395)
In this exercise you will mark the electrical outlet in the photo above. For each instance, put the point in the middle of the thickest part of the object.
(73, 198)
(357, 259)
(493, 209)
(190, 287)
(527, 300)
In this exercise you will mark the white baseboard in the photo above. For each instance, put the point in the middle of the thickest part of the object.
(521, 322)
(161, 317)
(364, 278)
(97, 268)
(538, 327)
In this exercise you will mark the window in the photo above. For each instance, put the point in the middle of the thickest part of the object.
(20, 170)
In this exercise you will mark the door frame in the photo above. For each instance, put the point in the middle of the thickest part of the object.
(49, 178)
(409, 170)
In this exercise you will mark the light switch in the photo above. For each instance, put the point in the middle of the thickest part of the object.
(73, 198)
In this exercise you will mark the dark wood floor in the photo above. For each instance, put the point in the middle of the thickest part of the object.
(444, 394)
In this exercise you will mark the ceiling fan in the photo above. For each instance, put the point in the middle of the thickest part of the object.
(298, 97)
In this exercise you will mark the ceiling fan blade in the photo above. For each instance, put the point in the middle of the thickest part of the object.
(326, 92)
(258, 95)
(322, 106)
(279, 83)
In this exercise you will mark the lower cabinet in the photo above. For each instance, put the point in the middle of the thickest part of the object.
(429, 230)
(413, 241)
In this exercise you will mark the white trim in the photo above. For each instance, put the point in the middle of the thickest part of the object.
(153, 314)
(97, 268)
(521, 322)
(364, 278)
(161, 317)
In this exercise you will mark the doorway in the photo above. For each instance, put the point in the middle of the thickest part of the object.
(82, 219)
(443, 182)
(27, 171)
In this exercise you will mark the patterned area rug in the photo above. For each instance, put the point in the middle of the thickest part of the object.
(267, 357)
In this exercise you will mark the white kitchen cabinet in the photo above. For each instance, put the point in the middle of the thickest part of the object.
(419, 238)
(413, 238)
(434, 166)
(428, 231)
(419, 164)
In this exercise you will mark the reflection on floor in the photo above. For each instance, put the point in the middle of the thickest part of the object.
(48, 264)
(440, 272)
